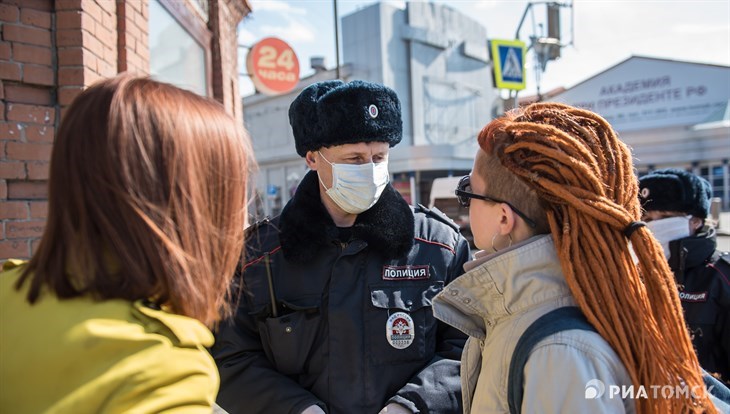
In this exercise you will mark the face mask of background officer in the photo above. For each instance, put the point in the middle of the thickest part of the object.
(337, 313)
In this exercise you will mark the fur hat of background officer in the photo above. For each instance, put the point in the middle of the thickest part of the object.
(333, 112)
(672, 189)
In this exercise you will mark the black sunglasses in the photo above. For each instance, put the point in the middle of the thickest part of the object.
(464, 195)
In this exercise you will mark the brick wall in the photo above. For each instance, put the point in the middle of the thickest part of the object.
(28, 116)
(50, 50)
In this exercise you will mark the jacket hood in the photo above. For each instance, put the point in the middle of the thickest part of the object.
(306, 226)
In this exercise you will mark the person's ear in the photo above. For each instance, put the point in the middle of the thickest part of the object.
(507, 219)
(695, 223)
(312, 160)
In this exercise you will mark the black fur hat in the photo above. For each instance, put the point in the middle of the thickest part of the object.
(333, 113)
(672, 189)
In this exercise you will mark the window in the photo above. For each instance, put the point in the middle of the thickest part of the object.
(179, 46)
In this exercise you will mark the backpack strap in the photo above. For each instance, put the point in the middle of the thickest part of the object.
(561, 319)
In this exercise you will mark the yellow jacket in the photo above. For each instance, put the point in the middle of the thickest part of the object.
(85, 356)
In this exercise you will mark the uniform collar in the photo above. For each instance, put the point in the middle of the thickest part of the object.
(692, 251)
(306, 226)
(507, 282)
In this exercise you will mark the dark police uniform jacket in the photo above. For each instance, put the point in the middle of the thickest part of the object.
(703, 278)
(311, 324)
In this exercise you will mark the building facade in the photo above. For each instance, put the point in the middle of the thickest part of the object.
(437, 61)
(50, 50)
(671, 114)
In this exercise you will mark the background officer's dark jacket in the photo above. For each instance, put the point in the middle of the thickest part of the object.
(328, 344)
(703, 277)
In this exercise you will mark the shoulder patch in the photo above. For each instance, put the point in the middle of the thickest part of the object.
(185, 331)
(438, 215)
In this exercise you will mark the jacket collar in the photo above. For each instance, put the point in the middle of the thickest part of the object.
(692, 251)
(504, 283)
(306, 226)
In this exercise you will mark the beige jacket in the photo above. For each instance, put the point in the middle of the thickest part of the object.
(494, 302)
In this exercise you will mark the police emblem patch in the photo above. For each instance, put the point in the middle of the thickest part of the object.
(400, 330)
(373, 111)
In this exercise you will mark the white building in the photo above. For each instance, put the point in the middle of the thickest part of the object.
(671, 113)
(434, 57)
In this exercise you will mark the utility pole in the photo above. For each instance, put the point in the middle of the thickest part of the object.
(545, 47)
(337, 40)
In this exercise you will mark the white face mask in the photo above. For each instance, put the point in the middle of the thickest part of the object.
(669, 229)
(356, 188)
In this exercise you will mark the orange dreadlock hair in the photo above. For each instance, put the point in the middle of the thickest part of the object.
(584, 177)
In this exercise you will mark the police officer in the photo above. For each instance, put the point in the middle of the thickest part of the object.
(336, 316)
(676, 205)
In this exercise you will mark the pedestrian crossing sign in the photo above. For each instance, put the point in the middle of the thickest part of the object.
(508, 64)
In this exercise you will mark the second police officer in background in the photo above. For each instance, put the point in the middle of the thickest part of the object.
(336, 316)
(677, 204)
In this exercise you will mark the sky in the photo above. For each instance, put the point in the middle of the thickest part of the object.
(605, 32)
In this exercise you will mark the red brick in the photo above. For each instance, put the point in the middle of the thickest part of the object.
(8, 13)
(2, 112)
(28, 152)
(12, 170)
(35, 18)
(69, 37)
(10, 71)
(14, 210)
(24, 229)
(107, 6)
(92, 9)
(66, 95)
(3, 190)
(31, 54)
(93, 44)
(11, 131)
(45, 5)
(5, 51)
(69, 19)
(107, 36)
(14, 249)
(68, 5)
(38, 75)
(26, 34)
(38, 209)
(73, 76)
(108, 20)
(27, 190)
(31, 113)
(38, 170)
(28, 94)
(44, 133)
(71, 56)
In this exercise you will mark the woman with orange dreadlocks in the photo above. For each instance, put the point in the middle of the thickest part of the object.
(554, 207)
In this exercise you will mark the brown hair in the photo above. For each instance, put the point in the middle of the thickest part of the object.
(504, 185)
(146, 200)
(583, 175)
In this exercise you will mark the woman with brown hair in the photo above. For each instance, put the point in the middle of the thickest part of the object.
(146, 213)
(553, 203)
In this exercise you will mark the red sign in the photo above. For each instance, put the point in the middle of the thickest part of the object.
(273, 66)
